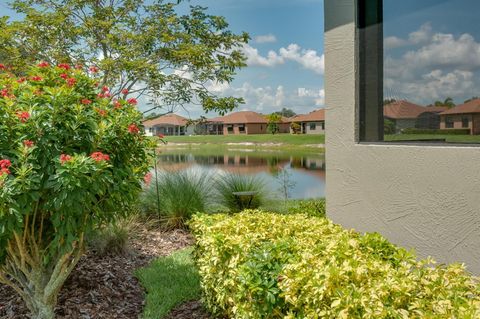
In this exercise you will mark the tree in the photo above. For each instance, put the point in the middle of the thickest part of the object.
(273, 120)
(141, 47)
(448, 102)
(286, 112)
(388, 126)
(71, 159)
(295, 127)
(471, 99)
(389, 101)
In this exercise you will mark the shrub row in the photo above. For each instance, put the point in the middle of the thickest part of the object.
(437, 132)
(263, 265)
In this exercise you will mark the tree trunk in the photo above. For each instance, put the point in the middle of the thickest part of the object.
(42, 310)
(35, 281)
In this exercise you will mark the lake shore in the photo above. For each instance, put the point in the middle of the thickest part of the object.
(306, 143)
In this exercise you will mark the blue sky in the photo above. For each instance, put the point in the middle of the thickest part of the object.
(285, 55)
(432, 50)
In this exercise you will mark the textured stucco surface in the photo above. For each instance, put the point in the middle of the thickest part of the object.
(421, 197)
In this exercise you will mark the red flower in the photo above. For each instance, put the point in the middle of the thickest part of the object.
(64, 76)
(85, 101)
(93, 69)
(125, 91)
(64, 66)
(71, 82)
(65, 158)
(100, 95)
(132, 128)
(5, 171)
(2, 66)
(43, 64)
(22, 79)
(132, 101)
(99, 156)
(105, 89)
(4, 93)
(28, 143)
(117, 104)
(36, 78)
(5, 163)
(78, 66)
(147, 178)
(23, 116)
(107, 95)
(102, 112)
(161, 135)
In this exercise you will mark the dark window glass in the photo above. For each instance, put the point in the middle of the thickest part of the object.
(449, 123)
(417, 73)
(241, 128)
(313, 126)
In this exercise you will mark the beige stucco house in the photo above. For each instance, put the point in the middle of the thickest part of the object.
(245, 122)
(311, 123)
(405, 114)
(465, 116)
(421, 196)
(170, 124)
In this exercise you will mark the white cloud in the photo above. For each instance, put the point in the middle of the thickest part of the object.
(318, 95)
(438, 66)
(266, 38)
(307, 58)
(255, 59)
(394, 42)
(421, 35)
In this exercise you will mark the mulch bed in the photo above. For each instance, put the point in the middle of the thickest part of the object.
(105, 286)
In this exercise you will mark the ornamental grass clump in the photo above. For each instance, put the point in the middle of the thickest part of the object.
(264, 265)
(176, 196)
(228, 184)
(70, 161)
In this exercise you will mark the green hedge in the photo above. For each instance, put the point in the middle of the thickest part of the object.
(264, 265)
(452, 131)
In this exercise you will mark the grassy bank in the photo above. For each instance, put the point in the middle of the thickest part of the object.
(285, 139)
(448, 138)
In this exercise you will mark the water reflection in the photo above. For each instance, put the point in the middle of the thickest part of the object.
(307, 172)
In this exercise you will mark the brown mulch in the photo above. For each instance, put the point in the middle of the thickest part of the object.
(105, 286)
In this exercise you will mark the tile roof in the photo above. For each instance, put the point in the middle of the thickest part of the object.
(241, 118)
(315, 116)
(169, 119)
(407, 110)
(470, 107)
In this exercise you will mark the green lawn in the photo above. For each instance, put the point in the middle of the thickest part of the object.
(289, 139)
(169, 281)
(448, 138)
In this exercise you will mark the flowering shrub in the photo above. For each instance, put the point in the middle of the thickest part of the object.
(263, 265)
(69, 160)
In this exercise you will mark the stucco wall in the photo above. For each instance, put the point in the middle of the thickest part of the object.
(422, 197)
(318, 128)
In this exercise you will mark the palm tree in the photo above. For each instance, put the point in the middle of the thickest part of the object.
(448, 103)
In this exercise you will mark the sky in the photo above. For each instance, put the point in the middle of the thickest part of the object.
(285, 54)
(432, 50)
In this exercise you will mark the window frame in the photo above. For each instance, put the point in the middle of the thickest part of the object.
(467, 121)
(369, 64)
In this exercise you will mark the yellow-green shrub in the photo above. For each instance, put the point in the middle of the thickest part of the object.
(264, 265)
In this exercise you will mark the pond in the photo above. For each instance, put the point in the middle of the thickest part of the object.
(304, 173)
